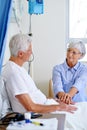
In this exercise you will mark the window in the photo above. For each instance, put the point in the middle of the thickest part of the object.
(76, 28)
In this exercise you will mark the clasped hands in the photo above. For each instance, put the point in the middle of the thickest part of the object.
(65, 98)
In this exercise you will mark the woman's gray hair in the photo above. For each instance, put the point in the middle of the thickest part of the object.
(19, 42)
(78, 45)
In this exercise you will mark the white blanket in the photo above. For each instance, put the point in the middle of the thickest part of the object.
(76, 121)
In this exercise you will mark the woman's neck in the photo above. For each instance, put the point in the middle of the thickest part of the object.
(70, 64)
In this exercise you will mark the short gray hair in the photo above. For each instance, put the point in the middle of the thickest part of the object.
(19, 42)
(78, 45)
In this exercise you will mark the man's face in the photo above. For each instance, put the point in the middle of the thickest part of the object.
(25, 55)
(28, 53)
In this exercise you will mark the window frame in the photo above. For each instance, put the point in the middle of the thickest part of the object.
(68, 39)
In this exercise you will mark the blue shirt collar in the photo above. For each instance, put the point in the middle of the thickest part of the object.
(67, 67)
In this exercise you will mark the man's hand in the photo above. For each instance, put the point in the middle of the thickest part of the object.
(67, 108)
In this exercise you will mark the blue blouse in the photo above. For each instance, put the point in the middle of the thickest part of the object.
(65, 77)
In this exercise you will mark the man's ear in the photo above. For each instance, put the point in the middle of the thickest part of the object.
(20, 54)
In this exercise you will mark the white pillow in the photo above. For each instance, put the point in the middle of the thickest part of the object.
(0, 105)
(4, 101)
(1, 84)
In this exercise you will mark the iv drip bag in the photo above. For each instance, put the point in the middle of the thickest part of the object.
(35, 7)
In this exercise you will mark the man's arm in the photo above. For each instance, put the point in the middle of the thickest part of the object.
(29, 105)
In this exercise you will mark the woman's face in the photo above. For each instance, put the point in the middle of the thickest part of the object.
(73, 55)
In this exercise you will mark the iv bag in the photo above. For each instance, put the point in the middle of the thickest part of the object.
(35, 7)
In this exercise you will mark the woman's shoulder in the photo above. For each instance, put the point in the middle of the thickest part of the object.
(83, 66)
(58, 66)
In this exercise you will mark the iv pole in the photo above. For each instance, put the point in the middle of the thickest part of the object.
(32, 58)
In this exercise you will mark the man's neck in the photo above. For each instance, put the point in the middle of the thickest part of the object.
(16, 60)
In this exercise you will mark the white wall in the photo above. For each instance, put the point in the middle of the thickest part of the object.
(48, 40)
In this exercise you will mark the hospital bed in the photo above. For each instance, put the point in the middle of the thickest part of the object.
(76, 121)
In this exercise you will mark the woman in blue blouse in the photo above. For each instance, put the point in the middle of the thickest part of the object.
(70, 77)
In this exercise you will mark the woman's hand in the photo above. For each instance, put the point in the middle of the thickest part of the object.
(65, 98)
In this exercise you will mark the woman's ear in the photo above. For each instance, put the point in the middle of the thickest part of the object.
(81, 56)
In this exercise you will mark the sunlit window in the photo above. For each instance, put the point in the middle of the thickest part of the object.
(78, 18)
(76, 24)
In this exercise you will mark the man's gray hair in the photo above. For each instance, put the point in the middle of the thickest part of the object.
(19, 42)
(78, 45)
